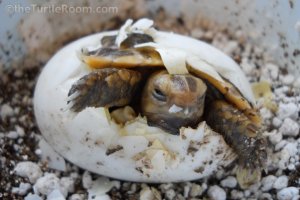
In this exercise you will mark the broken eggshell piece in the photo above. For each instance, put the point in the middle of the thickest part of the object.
(135, 151)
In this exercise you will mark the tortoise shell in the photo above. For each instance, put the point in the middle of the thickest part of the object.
(156, 49)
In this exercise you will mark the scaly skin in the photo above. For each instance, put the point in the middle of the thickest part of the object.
(104, 88)
(239, 132)
(243, 136)
(162, 92)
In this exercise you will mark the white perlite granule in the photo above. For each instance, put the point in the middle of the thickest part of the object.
(267, 183)
(275, 137)
(76, 197)
(289, 127)
(289, 193)
(46, 184)
(229, 182)
(281, 182)
(33, 197)
(67, 185)
(87, 180)
(55, 195)
(28, 170)
(22, 189)
(6, 111)
(286, 110)
(216, 193)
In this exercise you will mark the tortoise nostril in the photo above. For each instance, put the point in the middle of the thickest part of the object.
(159, 95)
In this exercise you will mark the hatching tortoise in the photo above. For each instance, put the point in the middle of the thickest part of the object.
(127, 75)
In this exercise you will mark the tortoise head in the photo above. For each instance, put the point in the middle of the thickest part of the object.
(173, 101)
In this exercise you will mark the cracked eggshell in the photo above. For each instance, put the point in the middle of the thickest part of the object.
(135, 152)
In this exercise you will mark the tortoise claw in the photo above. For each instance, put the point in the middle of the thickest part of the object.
(104, 88)
(247, 176)
(251, 163)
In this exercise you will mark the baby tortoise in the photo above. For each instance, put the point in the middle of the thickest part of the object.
(120, 77)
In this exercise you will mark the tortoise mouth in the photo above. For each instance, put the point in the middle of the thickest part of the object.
(171, 124)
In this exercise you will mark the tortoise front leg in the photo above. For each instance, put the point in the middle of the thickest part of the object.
(104, 88)
(242, 135)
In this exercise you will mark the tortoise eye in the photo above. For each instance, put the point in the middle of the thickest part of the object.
(159, 95)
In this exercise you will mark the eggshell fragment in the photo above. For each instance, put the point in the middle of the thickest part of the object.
(135, 151)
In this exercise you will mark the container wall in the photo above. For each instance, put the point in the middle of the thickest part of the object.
(27, 30)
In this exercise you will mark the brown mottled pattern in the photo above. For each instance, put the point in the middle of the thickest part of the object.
(239, 132)
(104, 88)
(110, 52)
(132, 40)
(230, 93)
(191, 83)
(108, 41)
(136, 38)
(180, 82)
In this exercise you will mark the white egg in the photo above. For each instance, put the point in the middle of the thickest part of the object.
(135, 151)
